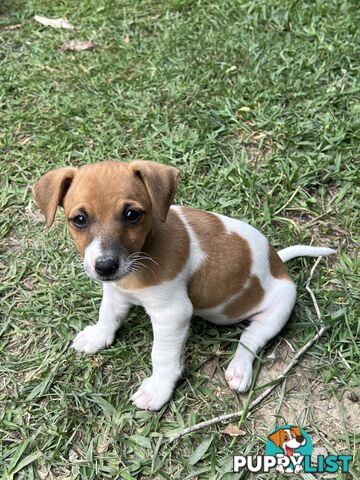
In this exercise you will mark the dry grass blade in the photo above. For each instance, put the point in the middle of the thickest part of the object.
(78, 45)
(54, 22)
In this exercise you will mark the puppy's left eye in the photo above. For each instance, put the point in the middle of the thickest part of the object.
(132, 216)
(80, 220)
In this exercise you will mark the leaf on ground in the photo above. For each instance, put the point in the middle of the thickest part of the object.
(107, 408)
(27, 461)
(126, 39)
(54, 22)
(78, 45)
(233, 431)
(140, 440)
(200, 451)
(209, 367)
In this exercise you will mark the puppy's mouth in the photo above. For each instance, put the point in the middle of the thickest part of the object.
(112, 278)
(289, 451)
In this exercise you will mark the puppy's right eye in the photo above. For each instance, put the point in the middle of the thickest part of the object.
(132, 216)
(80, 221)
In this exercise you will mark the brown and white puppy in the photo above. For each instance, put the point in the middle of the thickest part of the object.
(174, 261)
(288, 439)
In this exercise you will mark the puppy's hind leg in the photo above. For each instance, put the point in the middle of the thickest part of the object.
(263, 326)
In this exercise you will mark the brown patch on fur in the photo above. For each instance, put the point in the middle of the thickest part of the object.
(161, 183)
(246, 300)
(279, 437)
(227, 266)
(168, 247)
(277, 267)
(50, 191)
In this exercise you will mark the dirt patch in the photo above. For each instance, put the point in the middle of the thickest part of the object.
(12, 243)
(33, 214)
(322, 232)
(305, 400)
(257, 144)
(328, 413)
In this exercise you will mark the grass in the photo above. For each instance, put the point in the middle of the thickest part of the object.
(258, 104)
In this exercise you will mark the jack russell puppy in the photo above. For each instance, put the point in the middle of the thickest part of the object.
(174, 261)
(288, 440)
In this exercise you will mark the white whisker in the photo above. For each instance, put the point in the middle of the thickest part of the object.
(142, 256)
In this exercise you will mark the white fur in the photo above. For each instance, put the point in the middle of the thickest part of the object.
(274, 313)
(170, 323)
(170, 310)
(288, 253)
(92, 252)
(197, 255)
(113, 311)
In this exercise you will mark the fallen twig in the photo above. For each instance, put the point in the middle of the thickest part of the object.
(307, 286)
(232, 416)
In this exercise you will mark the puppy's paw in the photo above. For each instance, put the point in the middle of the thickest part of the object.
(239, 374)
(92, 339)
(152, 394)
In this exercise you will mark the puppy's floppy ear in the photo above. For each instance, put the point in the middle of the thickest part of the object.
(50, 190)
(277, 437)
(296, 431)
(161, 182)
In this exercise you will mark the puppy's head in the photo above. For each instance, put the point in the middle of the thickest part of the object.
(288, 439)
(111, 208)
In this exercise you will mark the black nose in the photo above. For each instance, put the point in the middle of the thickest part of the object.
(300, 439)
(106, 266)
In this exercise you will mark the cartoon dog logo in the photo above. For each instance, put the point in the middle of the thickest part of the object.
(288, 439)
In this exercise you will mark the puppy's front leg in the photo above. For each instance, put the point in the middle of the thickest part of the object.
(113, 310)
(170, 329)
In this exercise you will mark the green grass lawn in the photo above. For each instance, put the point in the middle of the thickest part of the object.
(257, 103)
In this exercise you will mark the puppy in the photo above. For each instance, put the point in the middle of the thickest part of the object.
(288, 439)
(174, 261)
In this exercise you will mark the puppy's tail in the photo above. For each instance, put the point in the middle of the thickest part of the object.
(304, 251)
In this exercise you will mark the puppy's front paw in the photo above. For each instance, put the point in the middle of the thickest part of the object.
(152, 394)
(239, 374)
(92, 339)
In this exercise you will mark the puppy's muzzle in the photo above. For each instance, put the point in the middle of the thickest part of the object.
(106, 267)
